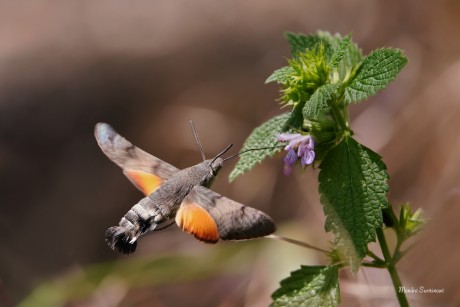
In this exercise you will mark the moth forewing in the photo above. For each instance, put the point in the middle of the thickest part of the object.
(145, 171)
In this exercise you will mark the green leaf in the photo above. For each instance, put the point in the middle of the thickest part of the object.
(344, 51)
(301, 43)
(281, 75)
(319, 100)
(309, 286)
(375, 73)
(261, 137)
(353, 184)
(339, 52)
(410, 222)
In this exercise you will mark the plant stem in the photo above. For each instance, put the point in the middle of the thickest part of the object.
(372, 265)
(392, 269)
(339, 117)
(374, 256)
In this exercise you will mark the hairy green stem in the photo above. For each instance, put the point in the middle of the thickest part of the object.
(339, 118)
(397, 255)
(392, 269)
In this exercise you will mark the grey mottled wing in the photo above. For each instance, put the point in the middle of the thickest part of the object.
(145, 171)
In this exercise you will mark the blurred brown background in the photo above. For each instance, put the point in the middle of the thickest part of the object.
(146, 67)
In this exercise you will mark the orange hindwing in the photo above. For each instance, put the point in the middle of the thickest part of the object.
(194, 219)
(145, 182)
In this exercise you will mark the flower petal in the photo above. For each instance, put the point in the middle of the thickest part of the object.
(287, 169)
(286, 137)
(303, 148)
(294, 142)
(308, 158)
(311, 143)
(291, 157)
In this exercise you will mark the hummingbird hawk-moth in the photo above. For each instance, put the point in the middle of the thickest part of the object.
(183, 195)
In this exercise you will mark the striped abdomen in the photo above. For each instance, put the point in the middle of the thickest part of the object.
(152, 210)
(142, 217)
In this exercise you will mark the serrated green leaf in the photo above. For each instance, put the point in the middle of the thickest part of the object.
(301, 42)
(281, 75)
(334, 41)
(353, 184)
(375, 73)
(309, 286)
(340, 51)
(319, 100)
(351, 58)
(261, 137)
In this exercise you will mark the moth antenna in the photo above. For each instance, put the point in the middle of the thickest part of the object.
(197, 140)
(252, 149)
(221, 153)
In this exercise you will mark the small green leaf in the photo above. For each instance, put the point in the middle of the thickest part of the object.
(309, 71)
(309, 286)
(342, 53)
(319, 100)
(339, 52)
(300, 42)
(351, 58)
(410, 222)
(261, 137)
(375, 73)
(281, 75)
(353, 184)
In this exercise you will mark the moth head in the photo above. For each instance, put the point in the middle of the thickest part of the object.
(207, 171)
(215, 166)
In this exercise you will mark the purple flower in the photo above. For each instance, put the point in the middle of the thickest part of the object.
(294, 139)
(289, 161)
(291, 157)
(299, 147)
(307, 158)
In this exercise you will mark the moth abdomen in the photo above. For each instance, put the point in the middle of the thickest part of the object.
(121, 239)
(137, 221)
